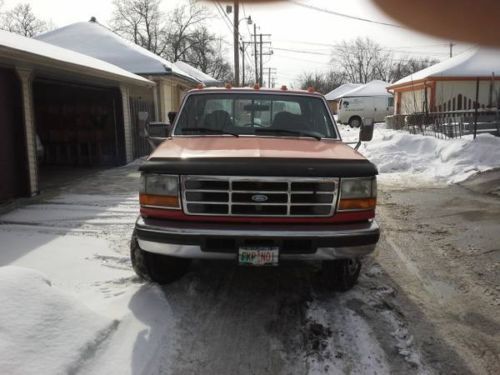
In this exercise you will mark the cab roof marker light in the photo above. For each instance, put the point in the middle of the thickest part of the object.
(256, 86)
(311, 89)
(284, 88)
(228, 86)
(200, 86)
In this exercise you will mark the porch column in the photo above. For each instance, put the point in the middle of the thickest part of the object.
(156, 100)
(26, 77)
(127, 124)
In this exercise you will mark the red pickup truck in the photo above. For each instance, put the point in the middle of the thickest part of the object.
(255, 176)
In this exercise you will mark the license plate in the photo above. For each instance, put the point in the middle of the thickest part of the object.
(258, 256)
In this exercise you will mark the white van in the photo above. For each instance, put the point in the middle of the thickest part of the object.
(353, 109)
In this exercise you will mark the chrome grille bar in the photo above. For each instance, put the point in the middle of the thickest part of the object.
(259, 196)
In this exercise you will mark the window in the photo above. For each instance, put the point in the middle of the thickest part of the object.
(255, 114)
(390, 101)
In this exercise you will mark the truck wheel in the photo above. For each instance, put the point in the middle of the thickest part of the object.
(355, 122)
(341, 274)
(161, 269)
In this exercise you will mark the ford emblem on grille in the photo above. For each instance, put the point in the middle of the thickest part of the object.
(259, 198)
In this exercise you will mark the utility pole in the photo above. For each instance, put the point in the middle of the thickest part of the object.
(255, 53)
(261, 64)
(270, 76)
(451, 48)
(236, 40)
(243, 49)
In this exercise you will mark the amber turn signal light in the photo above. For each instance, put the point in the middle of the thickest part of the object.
(357, 204)
(167, 201)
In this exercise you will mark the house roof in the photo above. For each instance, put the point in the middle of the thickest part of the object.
(372, 88)
(479, 62)
(198, 74)
(342, 89)
(93, 39)
(15, 47)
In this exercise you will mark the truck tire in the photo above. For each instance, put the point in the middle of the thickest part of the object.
(341, 274)
(161, 269)
(355, 122)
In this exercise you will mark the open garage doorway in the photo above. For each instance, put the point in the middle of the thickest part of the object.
(80, 129)
(13, 166)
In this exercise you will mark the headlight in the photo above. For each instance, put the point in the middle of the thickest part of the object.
(358, 194)
(159, 190)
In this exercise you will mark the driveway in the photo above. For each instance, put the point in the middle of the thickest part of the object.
(427, 300)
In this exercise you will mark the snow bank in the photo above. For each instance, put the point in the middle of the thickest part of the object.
(43, 330)
(400, 155)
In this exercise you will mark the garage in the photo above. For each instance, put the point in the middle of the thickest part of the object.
(62, 114)
(78, 125)
(13, 171)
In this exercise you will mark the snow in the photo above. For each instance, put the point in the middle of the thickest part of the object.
(406, 159)
(94, 39)
(372, 88)
(42, 329)
(478, 62)
(19, 43)
(342, 89)
(198, 74)
(70, 300)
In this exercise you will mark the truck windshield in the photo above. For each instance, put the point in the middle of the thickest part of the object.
(255, 114)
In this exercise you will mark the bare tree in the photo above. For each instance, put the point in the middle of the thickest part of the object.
(185, 25)
(322, 82)
(22, 20)
(362, 60)
(142, 22)
(182, 36)
(206, 53)
(406, 66)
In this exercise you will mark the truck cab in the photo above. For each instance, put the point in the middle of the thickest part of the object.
(255, 177)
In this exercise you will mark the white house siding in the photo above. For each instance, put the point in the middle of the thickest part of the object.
(413, 101)
(450, 93)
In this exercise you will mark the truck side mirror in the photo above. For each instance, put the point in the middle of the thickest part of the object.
(171, 117)
(157, 132)
(366, 130)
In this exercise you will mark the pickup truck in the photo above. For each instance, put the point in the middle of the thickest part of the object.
(255, 177)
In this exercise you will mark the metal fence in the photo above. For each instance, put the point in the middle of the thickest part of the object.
(453, 124)
(141, 146)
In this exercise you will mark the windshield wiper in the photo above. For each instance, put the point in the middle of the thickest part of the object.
(209, 131)
(291, 132)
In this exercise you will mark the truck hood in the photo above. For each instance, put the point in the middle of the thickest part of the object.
(257, 156)
(253, 147)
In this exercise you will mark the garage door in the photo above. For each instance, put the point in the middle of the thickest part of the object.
(79, 125)
(13, 167)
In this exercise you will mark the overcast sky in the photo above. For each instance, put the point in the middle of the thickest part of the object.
(309, 33)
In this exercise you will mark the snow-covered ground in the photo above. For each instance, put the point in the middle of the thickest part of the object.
(70, 302)
(405, 159)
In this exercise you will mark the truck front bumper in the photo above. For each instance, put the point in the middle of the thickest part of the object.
(221, 241)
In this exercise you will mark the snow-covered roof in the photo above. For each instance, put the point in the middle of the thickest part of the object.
(479, 62)
(342, 89)
(96, 40)
(15, 44)
(372, 88)
(204, 78)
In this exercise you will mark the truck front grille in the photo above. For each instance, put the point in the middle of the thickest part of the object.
(259, 196)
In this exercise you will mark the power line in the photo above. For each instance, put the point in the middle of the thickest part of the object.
(229, 24)
(338, 45)
(344, 15)
(301, 51)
